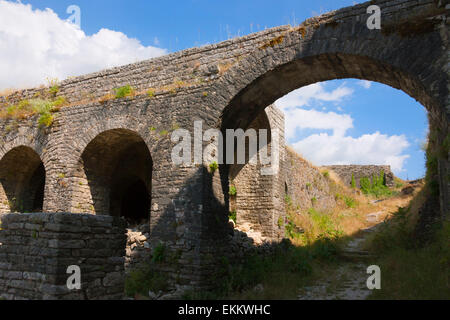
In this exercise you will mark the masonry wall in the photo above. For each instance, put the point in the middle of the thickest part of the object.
(226, 83)
(305, 185)
(258, 202)
(345, 172)
(36, 250)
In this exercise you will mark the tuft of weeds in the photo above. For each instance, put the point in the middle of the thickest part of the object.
(273, 42)
(232, 216)
(124, 92)
(29, 107)
(350, 202)
(213, 167)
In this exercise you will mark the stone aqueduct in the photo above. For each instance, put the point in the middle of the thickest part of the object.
(98, 148)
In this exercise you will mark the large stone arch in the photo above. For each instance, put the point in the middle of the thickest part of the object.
(22, 180)
(325, 49)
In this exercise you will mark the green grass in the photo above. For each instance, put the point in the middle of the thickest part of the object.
(144, 279)
(288, 268)
(281, 273)
(44, 107)
(411, 270)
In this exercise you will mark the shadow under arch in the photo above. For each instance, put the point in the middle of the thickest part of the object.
(253, 201)
(114, 176)
(22, 181)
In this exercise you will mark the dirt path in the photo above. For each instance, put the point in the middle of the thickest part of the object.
(348, 281)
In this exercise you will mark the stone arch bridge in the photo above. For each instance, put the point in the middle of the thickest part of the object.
(101, 153)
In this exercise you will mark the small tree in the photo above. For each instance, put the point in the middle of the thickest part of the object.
(353, 181)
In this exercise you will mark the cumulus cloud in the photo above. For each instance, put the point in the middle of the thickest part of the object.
(37, 44)
(316, 92)
(299, 118)
(336, 147)
(377, 148)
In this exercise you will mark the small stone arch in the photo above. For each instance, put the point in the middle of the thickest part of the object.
(115, 167)
(22, 181)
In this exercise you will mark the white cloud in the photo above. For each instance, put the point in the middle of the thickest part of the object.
(377, 148)
(337, 147)
(316, 92)
(312, 119)
(36, 44)
(365, 84)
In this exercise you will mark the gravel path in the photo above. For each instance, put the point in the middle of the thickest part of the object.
(348, 281)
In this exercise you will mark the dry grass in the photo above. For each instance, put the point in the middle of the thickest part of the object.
(352, 207)
(7, 92)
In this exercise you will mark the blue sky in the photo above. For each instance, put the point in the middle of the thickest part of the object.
(342, 121)
(183, 24)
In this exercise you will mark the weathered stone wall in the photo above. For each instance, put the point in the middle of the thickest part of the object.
(345, 172)
(305, 184)
(36, 250)
(258, 201)
(225, 85)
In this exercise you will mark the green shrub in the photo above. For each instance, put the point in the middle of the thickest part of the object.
(232, 191)
(377, 187)
(53, 90)
(280, 222)
(324, 225)
(159, 253)
(213, 167)
(288, 200)
(353, 181)
(124, 91)
(232, 216)
(142, 280)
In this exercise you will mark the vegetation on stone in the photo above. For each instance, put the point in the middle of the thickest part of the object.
(123, 92)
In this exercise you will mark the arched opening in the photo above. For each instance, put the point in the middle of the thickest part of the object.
(277, 81)
(114, 177)
(252, 192)
(22, 181)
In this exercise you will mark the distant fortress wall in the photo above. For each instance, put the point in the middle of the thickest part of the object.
(345, 173)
